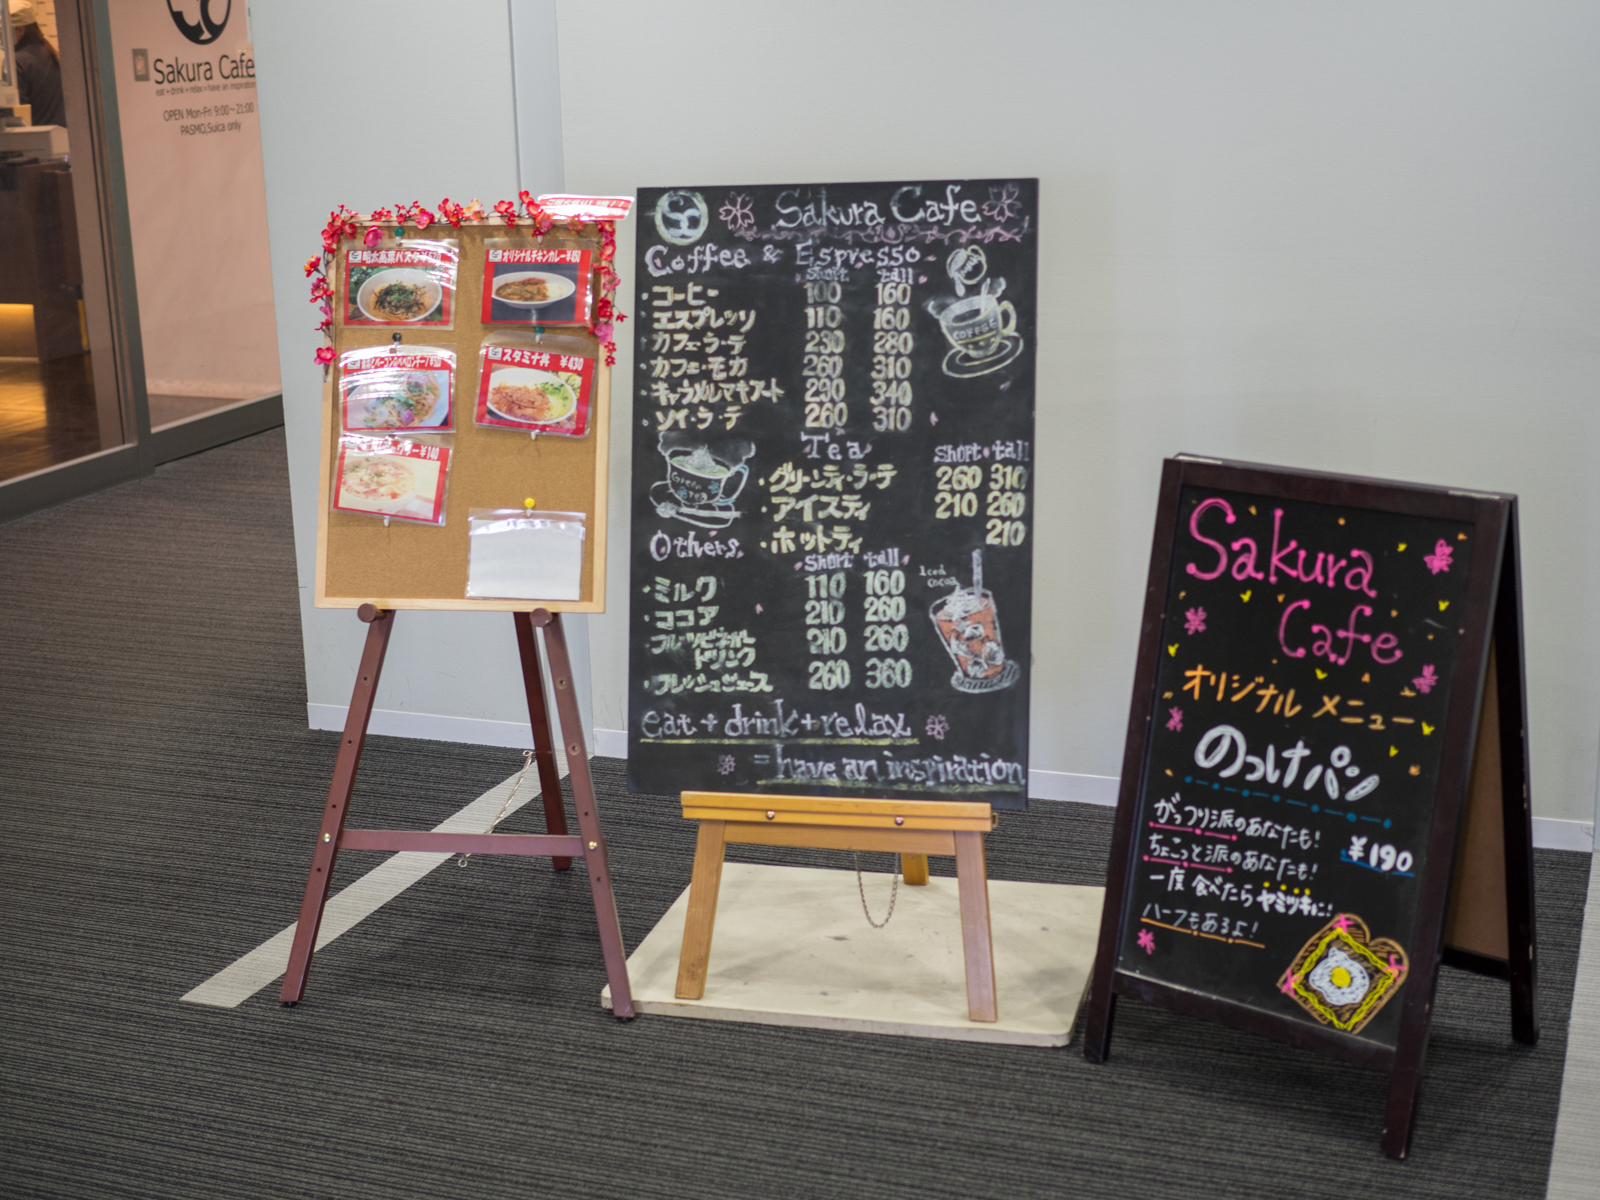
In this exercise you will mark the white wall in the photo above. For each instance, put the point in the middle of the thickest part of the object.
(1353, 236)
(330, 137)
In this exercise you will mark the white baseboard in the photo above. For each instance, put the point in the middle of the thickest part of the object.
(1552, 833)
(1549, 833)
(1064, 785)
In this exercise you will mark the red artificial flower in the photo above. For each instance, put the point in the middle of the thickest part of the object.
(603, 309)
(475, 210)
(320, 289)
(608, 251)
(381, 216)
(325, 355)
(313, 265)
(507, 210)
(374, 235)
(451, 212)
(421, 216)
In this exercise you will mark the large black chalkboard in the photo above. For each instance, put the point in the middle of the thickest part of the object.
(1311, 667)
(831, 555)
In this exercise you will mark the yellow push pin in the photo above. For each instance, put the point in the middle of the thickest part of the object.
(528, 503)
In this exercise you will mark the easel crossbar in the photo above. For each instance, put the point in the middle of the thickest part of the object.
(825, 837)
(955, 815)
(462, 843)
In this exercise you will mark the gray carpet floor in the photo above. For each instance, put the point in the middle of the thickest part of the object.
(159, 791)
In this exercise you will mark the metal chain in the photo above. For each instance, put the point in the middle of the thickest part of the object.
(894, 894)
(527, 761)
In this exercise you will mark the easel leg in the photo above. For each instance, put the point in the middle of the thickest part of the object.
(544, 756)
(704, 884)
(379, 624)
(914, 869)
(1510, 686)
(977, 942)
(1401, 1111)
(1098, 1022)
(605, 902)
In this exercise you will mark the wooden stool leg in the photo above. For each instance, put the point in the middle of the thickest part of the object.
(379, 623)
(914, 869)
(695, 957)
(544, 755)
(977, 943)
(594, 840)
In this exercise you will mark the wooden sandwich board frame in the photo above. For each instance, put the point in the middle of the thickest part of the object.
(571, 475)
(1477, 904)
(913, 829)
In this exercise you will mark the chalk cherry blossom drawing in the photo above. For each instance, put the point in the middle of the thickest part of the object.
(937, 726)
(1147, 941)
(1439, 561)
(725, 765)
(1003, 203)
(737, 216)
(1424, 682)
(1175, 721)
(1194, 620)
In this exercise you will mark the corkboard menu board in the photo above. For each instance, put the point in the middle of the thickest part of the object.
(399, 564)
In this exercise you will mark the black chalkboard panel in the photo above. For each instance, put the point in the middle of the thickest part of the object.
(1310, 673)
(831, 555)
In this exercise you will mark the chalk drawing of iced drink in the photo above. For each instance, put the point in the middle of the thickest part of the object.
(970, 630)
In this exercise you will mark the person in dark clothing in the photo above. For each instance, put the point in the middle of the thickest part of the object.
(38, 67)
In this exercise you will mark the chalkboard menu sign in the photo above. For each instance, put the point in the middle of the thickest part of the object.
(832, 489)
(1312, 661)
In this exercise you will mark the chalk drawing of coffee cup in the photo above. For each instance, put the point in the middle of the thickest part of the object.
(701, 484)
(700, 479)
(982, 332)
(969, 629)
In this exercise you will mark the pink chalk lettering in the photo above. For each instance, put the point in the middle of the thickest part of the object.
(1385, 642)
(1244, 565)
(1273, 565)
(1194, 530)
(1316, 571)
(1283, 630)
(1365, 585)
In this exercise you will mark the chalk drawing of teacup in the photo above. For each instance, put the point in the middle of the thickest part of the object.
(699, 479)
(978, 326)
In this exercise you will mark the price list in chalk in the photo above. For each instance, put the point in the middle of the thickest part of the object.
(1307, 656)
(831, 551)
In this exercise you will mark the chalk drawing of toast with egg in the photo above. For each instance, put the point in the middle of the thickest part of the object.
(1342, 977)
(981, 328)
(703, 480)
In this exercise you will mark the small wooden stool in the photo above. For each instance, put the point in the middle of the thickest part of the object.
(913, 829)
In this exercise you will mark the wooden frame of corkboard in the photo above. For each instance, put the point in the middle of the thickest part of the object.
(362, 560)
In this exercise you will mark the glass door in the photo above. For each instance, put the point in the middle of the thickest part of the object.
(135, 301)
(62, 400)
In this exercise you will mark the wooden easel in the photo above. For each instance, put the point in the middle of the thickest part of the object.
(912, 829)
(556, 843)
